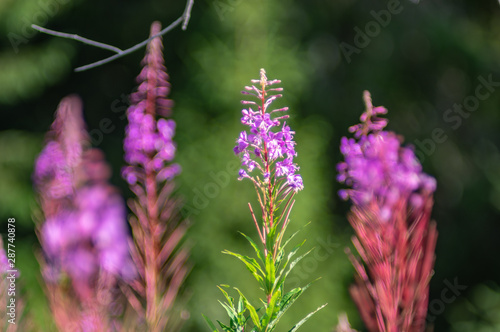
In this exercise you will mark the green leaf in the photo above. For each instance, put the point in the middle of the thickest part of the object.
(236, 316)
(270, 310)
(282, 274)
(293, 235)
(255, 247)
(240, 305)
(292, 265)
(296, 327)
(229, 299)
(290, 294)
(287, 301)
(210, 324)
(251, 309)
(251, 264)
(279, 257)
(230, 311)
(270, 273)
(270, 239)
(225, 327)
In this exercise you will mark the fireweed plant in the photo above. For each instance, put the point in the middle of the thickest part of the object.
(157, 227)
(82, 229)
(267, 151)
(391, 206)
(90, 264)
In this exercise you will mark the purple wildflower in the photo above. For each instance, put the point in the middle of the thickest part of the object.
(377, 167)
(148, 140)
(157, 227)
(94, 227)
(84, 235)
(268, 147)
(77, 201)
(263, 147)
(392, 202)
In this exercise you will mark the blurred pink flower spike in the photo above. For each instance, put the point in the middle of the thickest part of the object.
(157, 226)
(395, 238)
(83, 231)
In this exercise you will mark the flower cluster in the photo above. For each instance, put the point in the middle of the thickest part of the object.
(377, 167)
(91, 234)
(51, 165)
(271, 152)
(157, 228)
(85, 230)
(149, 141)
(395, 238)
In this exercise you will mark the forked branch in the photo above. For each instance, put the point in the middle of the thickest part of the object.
(184, 19)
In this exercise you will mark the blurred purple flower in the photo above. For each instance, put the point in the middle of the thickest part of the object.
(392, 203)
(377, 167)
(50, 164)
(91, 236)
(85, 233)
(77, 201)
(157, 227)
(148, 140)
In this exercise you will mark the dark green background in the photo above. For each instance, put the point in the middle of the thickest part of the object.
(426, 59)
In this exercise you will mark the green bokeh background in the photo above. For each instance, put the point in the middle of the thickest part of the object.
(426, 59)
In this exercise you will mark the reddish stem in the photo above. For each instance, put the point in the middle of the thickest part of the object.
(266, 161)
(150, 242)
(270, 189)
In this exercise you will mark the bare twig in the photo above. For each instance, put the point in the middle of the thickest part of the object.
(187, 14)
(76, 37)
(184, 19)
(131, 49)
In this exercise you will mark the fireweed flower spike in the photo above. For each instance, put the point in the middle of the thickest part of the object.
(83, 231)
(267, 150)
(392, 203)
(157, 227)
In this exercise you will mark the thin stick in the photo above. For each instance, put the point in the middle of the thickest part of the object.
(77, 37)
(184, 19)
(131, 49)
(187, 14)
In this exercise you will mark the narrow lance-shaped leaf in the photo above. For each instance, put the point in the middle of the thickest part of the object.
(210, 324)
(299, 324)
(251, 264)
(251, 309)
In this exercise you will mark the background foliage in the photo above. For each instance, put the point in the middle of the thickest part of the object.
(427, 58)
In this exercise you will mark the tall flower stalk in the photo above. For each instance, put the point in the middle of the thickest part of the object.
(392, 202)
(83, 231)
(267, 151)
(156, 225)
